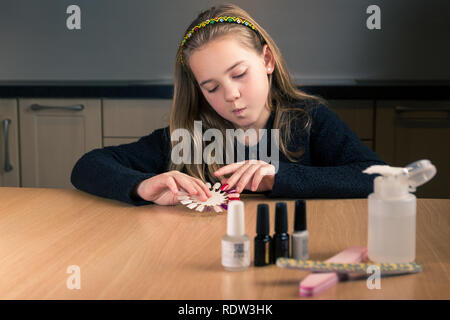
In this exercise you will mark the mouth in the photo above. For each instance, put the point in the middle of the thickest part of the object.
(239, 111)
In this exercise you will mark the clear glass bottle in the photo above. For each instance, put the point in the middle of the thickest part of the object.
(235, 244)
(392, 211)
(300, 235)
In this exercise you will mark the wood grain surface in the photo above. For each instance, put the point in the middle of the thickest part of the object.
(171, 252)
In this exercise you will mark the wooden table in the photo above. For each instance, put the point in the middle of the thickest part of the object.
(160, 252)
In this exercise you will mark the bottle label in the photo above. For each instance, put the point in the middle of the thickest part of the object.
(300, 247)
(304, 255)
(235, 254)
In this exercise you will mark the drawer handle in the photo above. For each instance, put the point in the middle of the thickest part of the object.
(422, 122)
(37, 107)
(6, 123)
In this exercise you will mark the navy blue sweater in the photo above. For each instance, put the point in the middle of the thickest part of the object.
(330, 166)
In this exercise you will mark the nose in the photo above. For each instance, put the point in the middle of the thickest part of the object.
(232, 93)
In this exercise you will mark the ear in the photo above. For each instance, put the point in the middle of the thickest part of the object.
(269, 59)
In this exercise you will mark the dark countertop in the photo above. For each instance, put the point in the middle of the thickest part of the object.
(406, 92)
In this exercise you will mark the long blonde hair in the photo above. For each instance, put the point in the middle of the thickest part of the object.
(190, 105)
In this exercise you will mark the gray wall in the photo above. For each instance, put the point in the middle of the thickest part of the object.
(134, 41)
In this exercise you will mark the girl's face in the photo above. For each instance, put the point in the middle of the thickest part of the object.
(234, 80)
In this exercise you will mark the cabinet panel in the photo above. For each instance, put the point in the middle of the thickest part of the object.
(412, 130)
(117, 141)
(9, 144)
(369, 143)
(55, 133)
(134, 118)
(358, 114)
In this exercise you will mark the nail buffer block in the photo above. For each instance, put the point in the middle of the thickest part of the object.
(316, 283)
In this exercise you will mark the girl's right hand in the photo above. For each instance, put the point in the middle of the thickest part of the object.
(165, 188)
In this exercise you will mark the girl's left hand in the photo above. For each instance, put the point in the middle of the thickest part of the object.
(254, 175)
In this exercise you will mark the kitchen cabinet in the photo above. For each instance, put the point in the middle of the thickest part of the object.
(359, 116)
(408, 130)
(54, 134)
(126, 120)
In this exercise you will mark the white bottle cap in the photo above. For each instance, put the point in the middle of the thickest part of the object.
(420, 172)
(396, 182)
(235, 220)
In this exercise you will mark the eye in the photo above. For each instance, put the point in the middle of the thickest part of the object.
(241, 75)
(235, 77)
(211, 91)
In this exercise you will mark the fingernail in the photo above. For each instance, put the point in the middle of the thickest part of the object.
(224, 187)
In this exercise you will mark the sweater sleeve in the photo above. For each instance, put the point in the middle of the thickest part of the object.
(338, 158)
(113, 172)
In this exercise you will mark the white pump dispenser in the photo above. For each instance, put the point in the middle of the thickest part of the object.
(392, 211)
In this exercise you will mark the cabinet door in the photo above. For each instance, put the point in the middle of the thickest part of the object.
(118, 141)
(407, 131)
(9, 146)
(54, 134)
(126, 120)
(358, 114)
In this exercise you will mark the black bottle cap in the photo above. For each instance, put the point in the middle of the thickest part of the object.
(300, 215)
(262, 222)
(281, 222)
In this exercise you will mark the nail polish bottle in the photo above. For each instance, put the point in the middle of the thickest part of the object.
(263, 241)
(281, 237)
(235, 244)
(300, 235)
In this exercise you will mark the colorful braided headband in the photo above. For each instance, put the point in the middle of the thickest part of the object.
(223, 19)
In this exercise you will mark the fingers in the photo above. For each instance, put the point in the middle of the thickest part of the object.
(237, 175)
(259, 175)
(192, 185)
(172, 185)
(185, 184)
(243, 172)
(246, 177)
(202, 190)
(203, 187)
(228, 168)
(257, 178)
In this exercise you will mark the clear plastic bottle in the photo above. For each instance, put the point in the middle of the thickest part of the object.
(392, 211)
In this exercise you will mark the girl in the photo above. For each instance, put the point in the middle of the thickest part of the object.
(229, 74)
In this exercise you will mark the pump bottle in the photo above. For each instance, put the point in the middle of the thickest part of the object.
(392, 211)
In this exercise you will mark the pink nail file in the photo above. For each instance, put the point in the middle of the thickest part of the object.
(316, 283)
